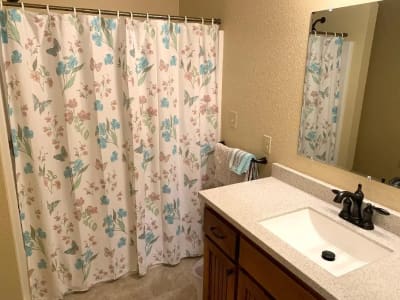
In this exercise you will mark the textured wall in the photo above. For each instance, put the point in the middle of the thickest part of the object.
(9, 282)
(264, 60)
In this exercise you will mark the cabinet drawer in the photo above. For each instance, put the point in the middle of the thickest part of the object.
(249, 290)
(221, 233)
(277, 281)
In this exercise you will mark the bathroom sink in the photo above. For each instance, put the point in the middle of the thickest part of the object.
(310, 233)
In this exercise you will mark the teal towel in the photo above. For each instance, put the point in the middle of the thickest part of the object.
(240, 161)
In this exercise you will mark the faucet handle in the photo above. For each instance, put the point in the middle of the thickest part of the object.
(338, 194)
(380, 210)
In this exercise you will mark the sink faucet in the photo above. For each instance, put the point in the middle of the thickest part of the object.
(352, 204)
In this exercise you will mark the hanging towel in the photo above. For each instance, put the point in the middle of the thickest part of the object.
(223, 174)
(240, 161)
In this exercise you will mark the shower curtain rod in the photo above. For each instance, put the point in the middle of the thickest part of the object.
(342, 34)
(112, 12)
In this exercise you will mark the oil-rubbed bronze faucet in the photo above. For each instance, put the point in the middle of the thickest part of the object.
(352, 204)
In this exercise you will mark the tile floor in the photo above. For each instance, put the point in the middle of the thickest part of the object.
(160, 283)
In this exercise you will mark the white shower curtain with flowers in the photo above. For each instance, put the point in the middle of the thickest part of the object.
(322, 97)
(112, 123)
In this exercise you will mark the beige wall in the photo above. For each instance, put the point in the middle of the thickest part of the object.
(9, 281)
(264, 60)
(359, 22)
(379, 138)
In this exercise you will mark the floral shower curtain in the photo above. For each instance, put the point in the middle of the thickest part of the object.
(112, 122)
(321, 98)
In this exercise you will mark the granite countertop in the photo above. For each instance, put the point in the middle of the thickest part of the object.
(245, 204)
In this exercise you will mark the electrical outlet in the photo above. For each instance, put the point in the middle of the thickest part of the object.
(233, 119)
(267, 144)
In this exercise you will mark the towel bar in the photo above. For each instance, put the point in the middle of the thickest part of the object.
(262, 160)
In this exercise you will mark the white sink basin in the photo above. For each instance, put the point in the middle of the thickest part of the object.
(310, 233)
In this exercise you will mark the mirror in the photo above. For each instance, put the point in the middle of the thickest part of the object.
(351, 104)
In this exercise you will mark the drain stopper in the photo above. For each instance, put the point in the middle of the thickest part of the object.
(328, 255)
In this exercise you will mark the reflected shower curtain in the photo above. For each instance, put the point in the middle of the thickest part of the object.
(112, 121)
(321, 98)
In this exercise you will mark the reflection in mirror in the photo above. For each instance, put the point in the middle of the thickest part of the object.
(351, 105)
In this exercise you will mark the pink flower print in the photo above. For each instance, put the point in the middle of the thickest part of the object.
(152, 112)
(84, 115)
(214, 108)
(57, 184)
(69, 116)
(153, 196)
(203, 109)
(206, 98)
(91, 210)
(49, 81)
(79, 202)
(72, 103)
(142, 99)
(188, 76)
(35, 76)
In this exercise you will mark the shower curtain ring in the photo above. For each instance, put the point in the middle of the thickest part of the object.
(75, 12)
(48, 9)
(202, 21)
(315, 32)
(1, 4)
(118, 14)
(185, 19)
(169, 19)
(23, 6)
(131, 16)
(212, 21)
(99, 13)
(342, 34)
(147, 17)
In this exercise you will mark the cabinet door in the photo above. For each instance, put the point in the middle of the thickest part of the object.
(249, 290)
(219, 274)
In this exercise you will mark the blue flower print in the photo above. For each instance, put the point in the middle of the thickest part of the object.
(104, 200)
(28, 133)
(206, 68)
(77, 166)
(3, 19)
(101, 129)
(61, 68)
(174, 150)
(96, 37)
(14, 15)
(98, 106)
(42, 264)
(165, 28)
(176, 121)
(28, 169)
(88, 254)
(166, 136)
(172, 61)
(14, 138)
(312, 135)
(177, 29)
(10, 111)
(72, 62)
(165, 41)
(96, 23)
(142, 64)
(166, 189)
(115, 124)
(121, 242)
(114, 156)
(16, 57)
(79, 264)
(68, 172)
(122, 213)
(108, 220)
(22, 216)
(41, 233)
(164, 102)
(108, 59)
(110, 24)
(4, 36)
(102, 142)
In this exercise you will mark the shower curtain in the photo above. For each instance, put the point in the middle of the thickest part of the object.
(321, 99)
(112, 120)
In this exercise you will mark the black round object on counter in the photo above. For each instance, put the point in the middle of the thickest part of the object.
(328, 255)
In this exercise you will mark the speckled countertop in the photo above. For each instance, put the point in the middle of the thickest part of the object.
(245, 204)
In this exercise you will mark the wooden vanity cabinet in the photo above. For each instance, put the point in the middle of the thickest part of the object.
(235, 268)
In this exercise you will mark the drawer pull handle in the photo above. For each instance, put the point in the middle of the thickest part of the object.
(218, 234)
